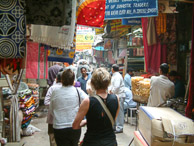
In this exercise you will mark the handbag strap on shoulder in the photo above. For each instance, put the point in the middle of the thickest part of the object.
(105, 109)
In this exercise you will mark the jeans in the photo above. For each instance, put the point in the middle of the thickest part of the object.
(120, 118)
(67, 136)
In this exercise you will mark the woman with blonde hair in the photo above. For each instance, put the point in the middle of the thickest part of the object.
(99, 126)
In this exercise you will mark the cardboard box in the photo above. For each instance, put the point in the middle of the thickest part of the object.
(164, 125)
(139, 140)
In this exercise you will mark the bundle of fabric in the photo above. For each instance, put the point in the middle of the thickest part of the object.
(27, 105)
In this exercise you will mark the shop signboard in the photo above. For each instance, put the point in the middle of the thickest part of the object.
(84, 38)
(120, 9)
(131, 21)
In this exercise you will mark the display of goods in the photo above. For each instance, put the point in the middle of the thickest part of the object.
(135, 84)
(140, 88)
(144, 88)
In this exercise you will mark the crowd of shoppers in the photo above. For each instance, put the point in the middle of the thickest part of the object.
(85, 101)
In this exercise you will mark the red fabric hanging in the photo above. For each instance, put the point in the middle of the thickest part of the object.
(190, 104)
(154, 54)
(91, 13)
(36, 61)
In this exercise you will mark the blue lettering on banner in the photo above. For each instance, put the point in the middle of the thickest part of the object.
(131, 21)
(120, 9)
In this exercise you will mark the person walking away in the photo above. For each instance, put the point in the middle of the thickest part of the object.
(161, 88)
(99, 127)
(179, 85)
(64, 105)
(52, 73)
(127, 78)
(84, 78)
(47, 103)
(117, 87)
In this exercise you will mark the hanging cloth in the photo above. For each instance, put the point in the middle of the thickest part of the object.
(154, 54)
(60, 55)
(36, 61)
(14, 120)
(12, 29)
(190, 104)
(151, 31)
(60, 37)
(49, 12)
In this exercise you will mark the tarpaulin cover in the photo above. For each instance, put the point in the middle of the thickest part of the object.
(12, 29)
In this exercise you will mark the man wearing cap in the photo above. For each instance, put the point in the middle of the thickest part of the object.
(161, 87)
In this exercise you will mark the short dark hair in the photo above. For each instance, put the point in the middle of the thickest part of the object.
(68, 77)
(130, 70)
(115, 67)
(83, 68)
(173, 73)
(164, 68)
(59, 74)
(62, 69)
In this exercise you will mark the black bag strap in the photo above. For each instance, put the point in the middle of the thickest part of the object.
(79, 97)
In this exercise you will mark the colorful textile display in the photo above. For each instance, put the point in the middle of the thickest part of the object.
(190, 104)
(60, 55)
(12, 29)
(11, 66)
(36, 61)
(60, 37)
(91, 13)
(27, 105)
(49, 12)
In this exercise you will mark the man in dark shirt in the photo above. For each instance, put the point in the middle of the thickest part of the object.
(179, 85)
(84, 78)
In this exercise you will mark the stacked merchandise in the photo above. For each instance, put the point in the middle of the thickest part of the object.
(140, 89)
(35, 92)
(162, 126)
(27, 105)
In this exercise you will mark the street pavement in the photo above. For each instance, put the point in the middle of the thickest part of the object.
(41, 138)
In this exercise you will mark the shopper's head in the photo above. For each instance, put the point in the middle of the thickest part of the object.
(59, 75)
(164, 69)
(68, 77)
(101, 79)
(115, 68)
(173, 75)
(130, 71)
(83, 71)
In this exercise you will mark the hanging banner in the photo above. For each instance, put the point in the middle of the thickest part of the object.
(119, 9)
(132, 21)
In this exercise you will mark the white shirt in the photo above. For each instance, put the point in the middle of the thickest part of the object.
(117, 85)
(161, 89)
(64, 106)
(47, 100)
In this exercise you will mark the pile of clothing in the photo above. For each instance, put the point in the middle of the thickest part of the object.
(27, 105)
(35, 92)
